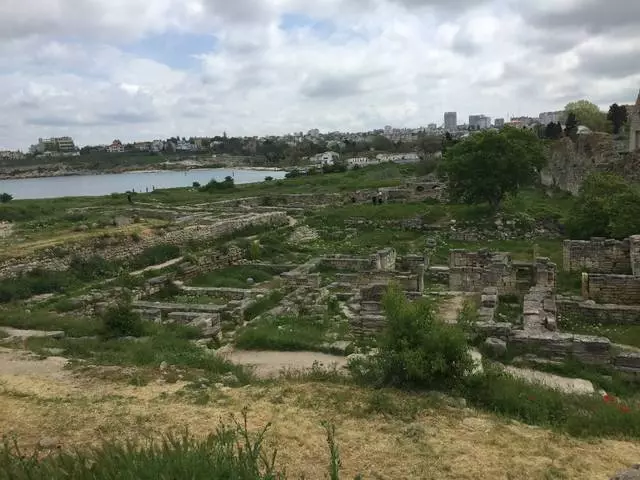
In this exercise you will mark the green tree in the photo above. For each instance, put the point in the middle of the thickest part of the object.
(487, 165)
(417, 349)
(571, 126)
(382, 143)
(606, 206)
(617, 116)
(5, 198)
(587, 114)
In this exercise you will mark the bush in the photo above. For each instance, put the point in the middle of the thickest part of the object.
(93, 268)
(214, 186)
(607, 206)
(35, 282)
(416, 349)
(155, 255)
(195, 184)
(121, 321)
(5, 198)
(261, 306)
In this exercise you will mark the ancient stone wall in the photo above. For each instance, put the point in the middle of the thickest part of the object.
(597, 255)
(473, 271)
(570, 163)
(120, 247)
(616, 289)
(589, 313)
(346, 263)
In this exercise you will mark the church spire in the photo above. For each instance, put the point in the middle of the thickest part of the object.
(638, 100)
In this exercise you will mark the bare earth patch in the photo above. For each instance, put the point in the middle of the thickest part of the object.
(271, 364)
(40, 399)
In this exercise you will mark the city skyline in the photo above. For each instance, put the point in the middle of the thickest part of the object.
(143, 70)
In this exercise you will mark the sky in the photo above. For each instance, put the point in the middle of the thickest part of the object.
(142, 69)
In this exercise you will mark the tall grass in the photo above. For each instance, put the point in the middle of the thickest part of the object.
(229, 453)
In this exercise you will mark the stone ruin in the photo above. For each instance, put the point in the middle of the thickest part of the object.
(610, 295)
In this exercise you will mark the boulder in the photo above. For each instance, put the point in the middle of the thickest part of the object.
(632, 474)
(495, 347)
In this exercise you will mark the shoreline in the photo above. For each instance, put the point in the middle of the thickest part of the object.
(25, 175)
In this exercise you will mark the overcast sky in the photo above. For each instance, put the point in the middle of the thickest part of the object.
(143, 69)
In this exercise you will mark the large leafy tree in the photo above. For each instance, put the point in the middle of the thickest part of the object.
(587, 114)
(486, 166)
(606, 206)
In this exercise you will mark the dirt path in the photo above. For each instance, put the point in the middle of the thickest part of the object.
(271, 364)
(450, 307)
(25, 364)
(157, 267)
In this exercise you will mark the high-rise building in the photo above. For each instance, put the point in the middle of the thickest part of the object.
(451, 121)
(479, 122)
(550, 117)
(499, 122)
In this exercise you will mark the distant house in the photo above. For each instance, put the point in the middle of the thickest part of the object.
(184, 146)
(326, 158)
(362, 161)
(157, 146)
(116, 147)
(142, 146)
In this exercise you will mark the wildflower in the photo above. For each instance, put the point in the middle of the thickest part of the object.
(624, 409)
(608, 398)
(532, 398)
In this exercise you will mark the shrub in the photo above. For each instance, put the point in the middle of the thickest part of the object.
(195, 184)
(155, 255)
(93, 268)
(268, 179)
(121, 321)
(5, 198)
(213, 185)
(416, 349)
(261, 306)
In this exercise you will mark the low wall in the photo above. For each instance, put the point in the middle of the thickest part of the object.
(119, 247)
(408, 282)
(618, 289)
(597, 255)
(384, 260)
(588, 312)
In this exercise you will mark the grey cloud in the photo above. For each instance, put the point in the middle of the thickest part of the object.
(594, 16)
(442, 4)
(239, 11)
(333, 87)
(611, 64)
(58, 121)
(116, 118)
(464, 45)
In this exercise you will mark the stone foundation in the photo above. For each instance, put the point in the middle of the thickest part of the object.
(618, 289)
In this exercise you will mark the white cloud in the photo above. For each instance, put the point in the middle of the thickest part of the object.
(81, 69)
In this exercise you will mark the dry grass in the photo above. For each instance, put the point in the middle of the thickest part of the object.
(441, 442)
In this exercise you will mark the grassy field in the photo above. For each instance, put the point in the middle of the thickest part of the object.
(235, 277)
(291, 333)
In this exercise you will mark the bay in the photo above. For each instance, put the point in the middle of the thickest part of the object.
(98, 185)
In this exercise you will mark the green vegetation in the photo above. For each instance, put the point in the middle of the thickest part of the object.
(121, 321)
(587, 114)
(607, 206)
(5, 198)
(41, 319)
(236, 277)
(416, 348)
(232, 452)
(164, 343)
(487, 165)
(263, 305)
(80, 272)
(290, 333)
(214, 185)
(623, 334)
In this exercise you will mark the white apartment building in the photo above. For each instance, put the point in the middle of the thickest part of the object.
(54, 144)
(157, 146)
(184, 146)
(362, 161)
